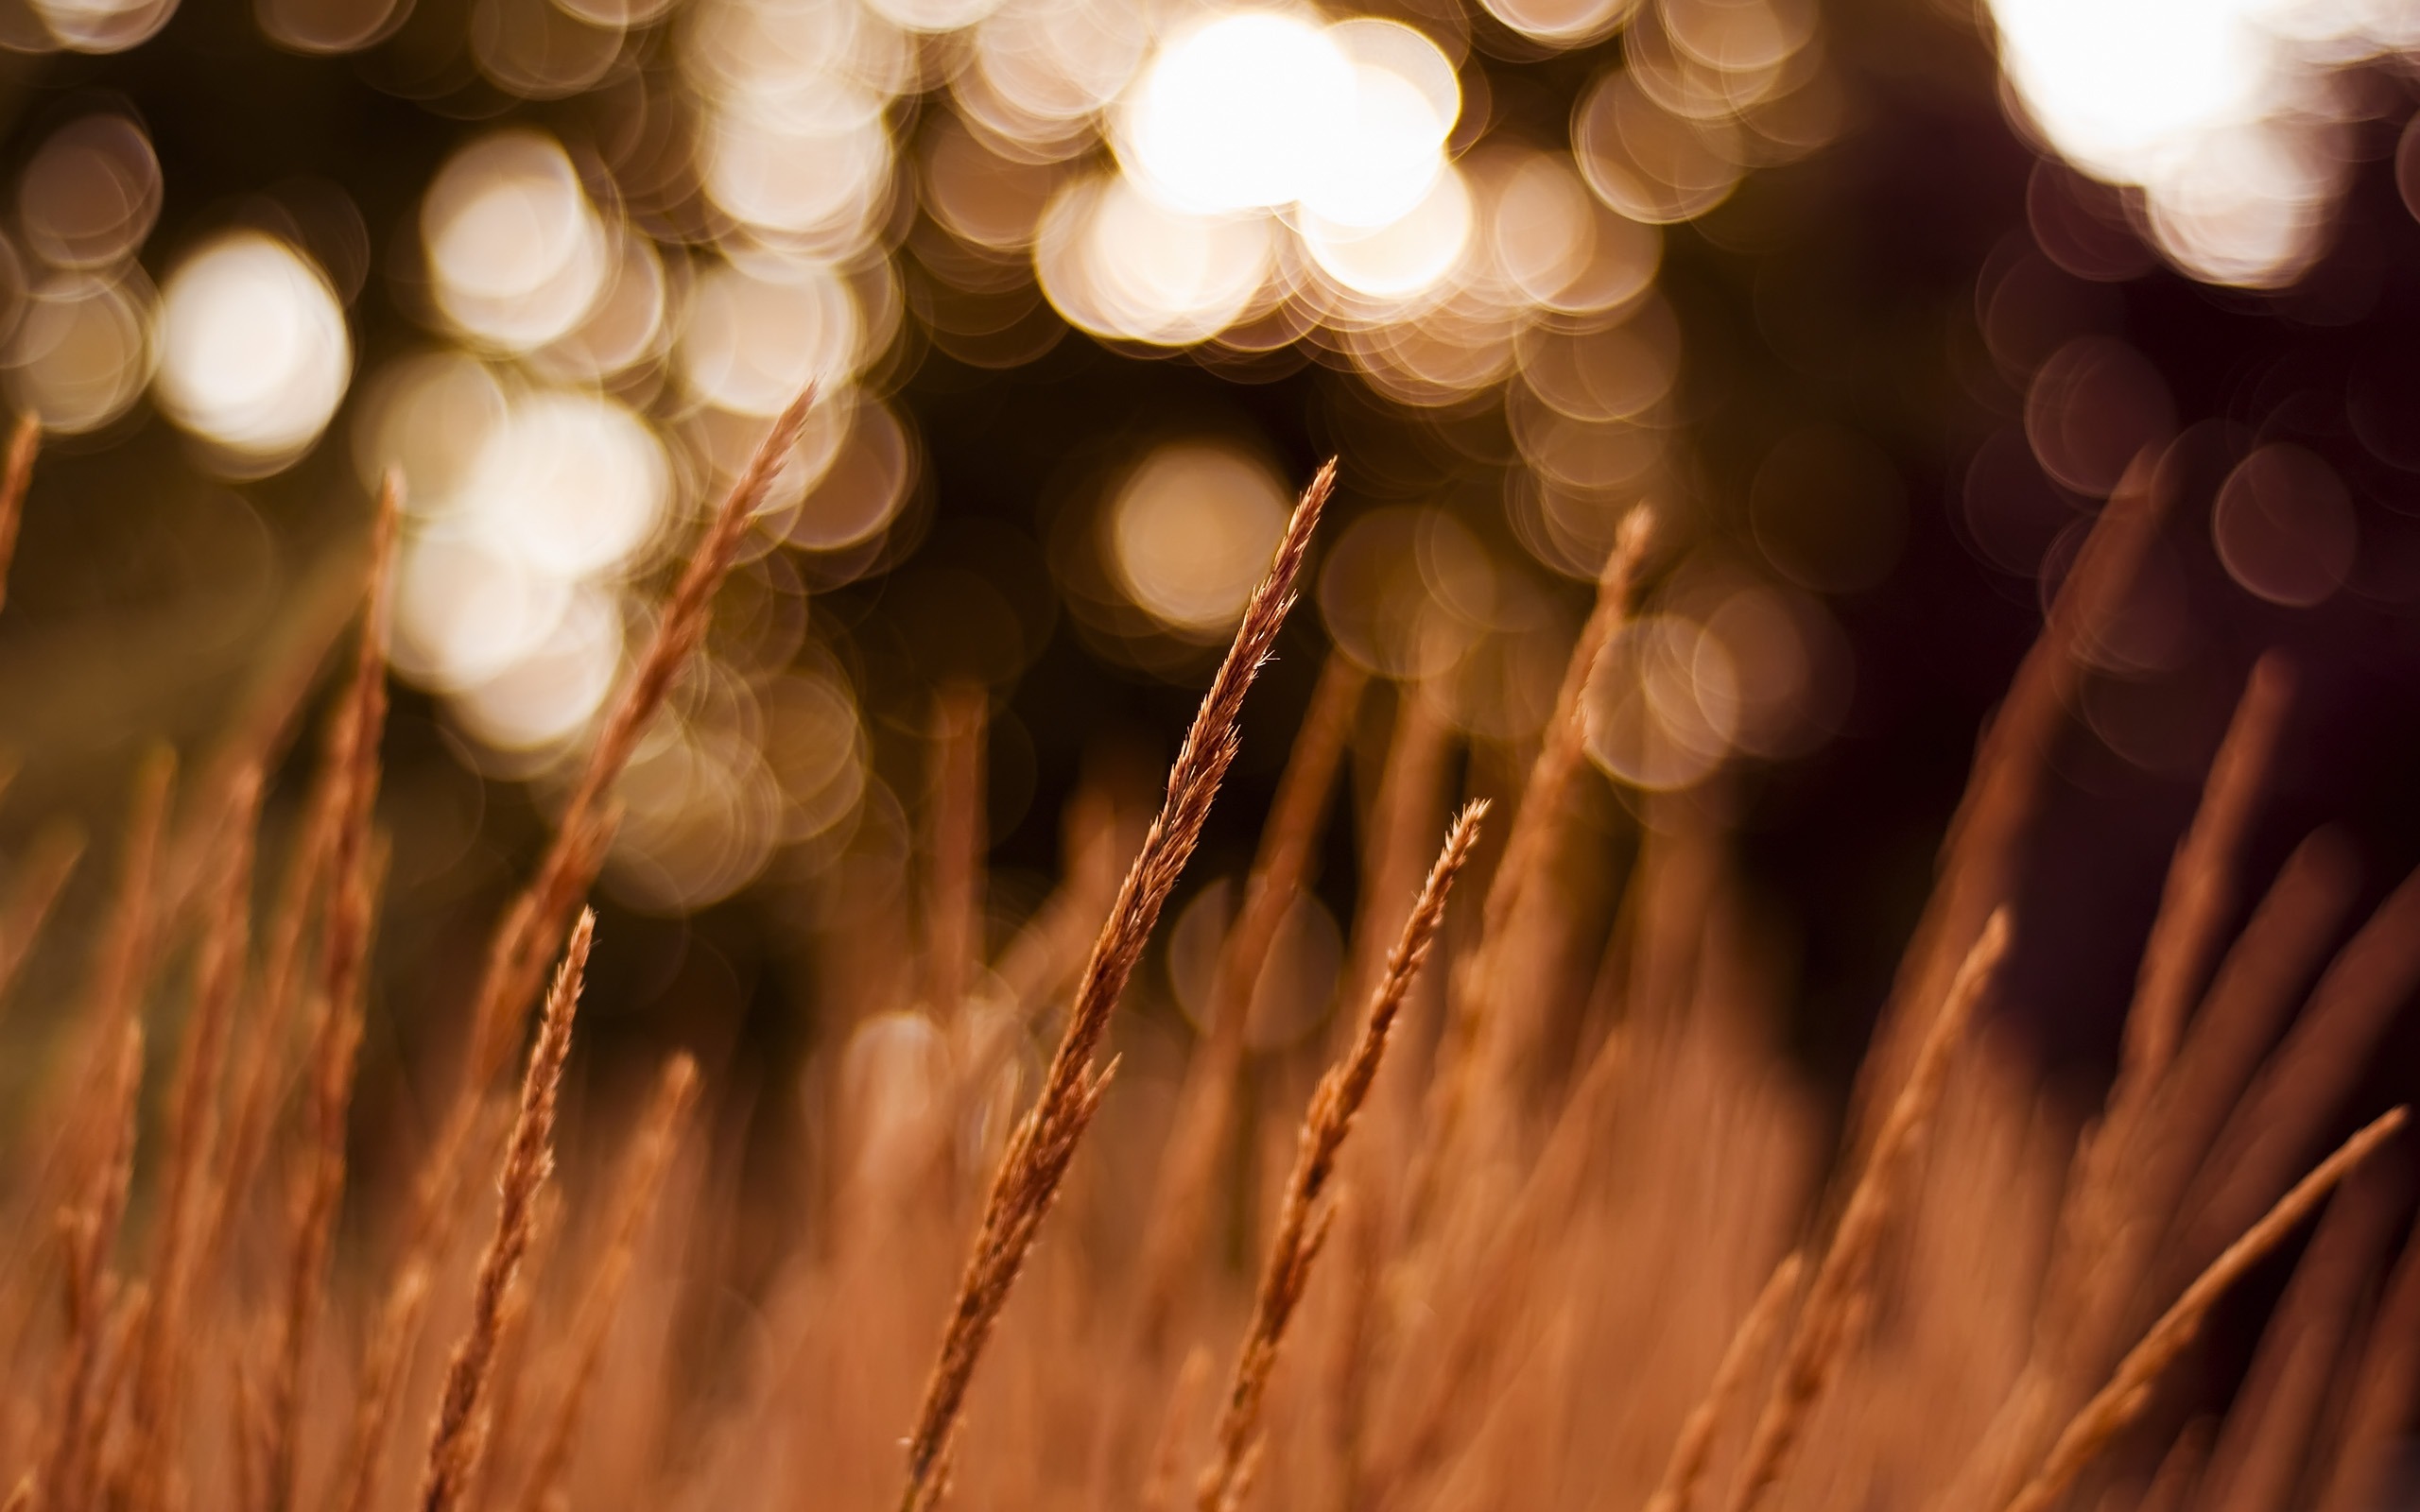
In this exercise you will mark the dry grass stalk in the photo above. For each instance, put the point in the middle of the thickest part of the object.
(533, 928)
(337, 1035)
(128, 945)
(1286, 1272)
(1036, 1159)
(1168, 1453)
(533, 925)
(265, 718)
(499, 1422)
(192, 1144)
(1837, 1289)
(1402, 816)
(1475, 1333)
(2103, 1267)
(1491, 1038)
(457, 1439)
(2280, 948)
(259, 1072)
(1693, 1451)
(954, 908)
(2179, 1470)
(2200, 886)
(2117, 1202)
(120, 975)
(641, 1180)
(2005, 789)
(2297, 1091)
(383, 1367)
(72, 1431)
(32, 893)
(2258, 1455)
(1184, 1193)
(24, 440)
(2385, 1388)
(2126, 1395)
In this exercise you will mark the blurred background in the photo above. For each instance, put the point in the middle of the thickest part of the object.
(1874, 300)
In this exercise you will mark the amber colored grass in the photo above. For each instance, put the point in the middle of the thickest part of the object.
(1694, 1450)
(16, 473)
(458, 1440)
(1184, 1192)
(336, 1035)
(641, 1182)
(952, 907)
(1036, 1159)
(1301, 1224)
(1839, 1286)
(2385, 1384)
(532, 927)
(1578, 1292)
(1493, 1032)
(2118, 1404)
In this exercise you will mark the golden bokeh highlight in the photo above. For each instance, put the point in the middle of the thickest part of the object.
(1190, 531)
(255, 355)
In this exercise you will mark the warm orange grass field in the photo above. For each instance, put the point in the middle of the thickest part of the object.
(1591, 1250)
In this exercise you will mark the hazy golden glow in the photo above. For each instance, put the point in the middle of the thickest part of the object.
(544, 695)
(616, 328)
(2210, 106)
(1407, 256)
(426, 414)
(757, 335)
(102, 26)
(82, 350)
(861, 486)
(1407, 591)
(1117, 262)
(516, 253)
(1190, 533)
(1237, 112)
(254, 352)
(572, 483)
(89, 194)
(1663, 705)
(466, 608)
(1563, 23)
(1648, 162)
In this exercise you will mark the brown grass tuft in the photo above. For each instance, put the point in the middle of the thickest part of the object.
(1036, 1159)
(641, 1180)
(24, 440)
(1286, 1272)
(1838, 1287)
(1694, 1450)
(2128, 1394)
(458, 1438)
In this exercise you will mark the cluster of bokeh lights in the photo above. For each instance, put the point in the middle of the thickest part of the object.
(609, 327)
(2228, 115)
(792, 185)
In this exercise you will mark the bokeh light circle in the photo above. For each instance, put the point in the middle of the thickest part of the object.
(1663, 704)
(254, 356)
(1190, 531)
(2284, 526)
(516, 254)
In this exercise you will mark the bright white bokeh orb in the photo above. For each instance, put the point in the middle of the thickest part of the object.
(1238, 113)
(254, 352)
